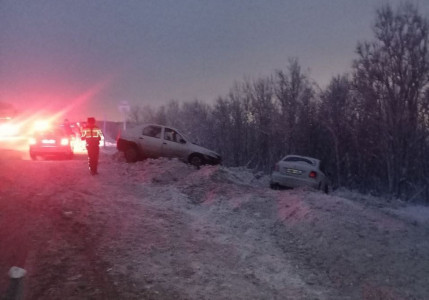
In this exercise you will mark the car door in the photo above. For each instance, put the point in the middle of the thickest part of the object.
(174, 145)
(150, 141)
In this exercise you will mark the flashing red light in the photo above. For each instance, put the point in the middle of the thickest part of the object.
(312, 174)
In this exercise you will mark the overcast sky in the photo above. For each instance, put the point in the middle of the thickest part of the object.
(86, 56)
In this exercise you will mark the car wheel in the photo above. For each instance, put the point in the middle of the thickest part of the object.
(131, 154)
(326, 189)
(274, 186)
(196, 160)
(33, 156)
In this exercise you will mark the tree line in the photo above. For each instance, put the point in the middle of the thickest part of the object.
(370, 126)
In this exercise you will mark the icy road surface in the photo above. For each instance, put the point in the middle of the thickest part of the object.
(160, 229)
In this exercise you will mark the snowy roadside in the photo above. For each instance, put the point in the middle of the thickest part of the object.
(160, 229)
(414, 213)
(334, 242)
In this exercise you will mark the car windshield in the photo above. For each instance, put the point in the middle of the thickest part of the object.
(185, 137)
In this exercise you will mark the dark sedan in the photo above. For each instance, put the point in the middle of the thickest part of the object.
(51, 142)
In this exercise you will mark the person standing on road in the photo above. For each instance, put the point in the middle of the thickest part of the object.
(67, 127)
(92, 135)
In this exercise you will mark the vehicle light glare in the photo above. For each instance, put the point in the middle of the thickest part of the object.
(9, 129)
(4, 130)
(64, 142)
(41, 125)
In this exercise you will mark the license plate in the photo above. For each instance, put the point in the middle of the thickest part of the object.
(48, 142)
(293, 171)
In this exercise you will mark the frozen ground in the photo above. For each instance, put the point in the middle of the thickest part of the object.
(160, 229)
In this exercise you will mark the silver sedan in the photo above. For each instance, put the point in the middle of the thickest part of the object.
(296, 170)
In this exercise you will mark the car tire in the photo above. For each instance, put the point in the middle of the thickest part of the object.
(131, 154)
(33, 156)
(274, 186)
(196, 160)
(326, 189)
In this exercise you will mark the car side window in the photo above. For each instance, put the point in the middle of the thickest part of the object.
(152, 131)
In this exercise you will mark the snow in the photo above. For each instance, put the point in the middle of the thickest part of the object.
(415, 213)
(410, 212)
(162, 229)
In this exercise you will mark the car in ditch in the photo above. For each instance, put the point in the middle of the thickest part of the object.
(296, 171)
(51, 142)
(154, 141)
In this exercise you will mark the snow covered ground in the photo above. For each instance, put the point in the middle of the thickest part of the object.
(161, 229)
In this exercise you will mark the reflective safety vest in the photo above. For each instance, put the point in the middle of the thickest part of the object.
(91, 134)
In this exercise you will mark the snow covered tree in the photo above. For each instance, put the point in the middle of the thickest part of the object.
(142, 114)
(174, 114)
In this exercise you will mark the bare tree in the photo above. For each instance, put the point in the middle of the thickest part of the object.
(174, 114)
(263, 109)
(196, 121)
(336, 116)
(293, 91)
(392, 72)
(142, 114)
(135, 115)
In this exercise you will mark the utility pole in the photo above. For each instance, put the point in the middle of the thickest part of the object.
(104, 130)
(124, 108)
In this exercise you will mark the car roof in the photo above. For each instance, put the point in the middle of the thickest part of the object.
(51, 130)
(159, 125)
(154, 124)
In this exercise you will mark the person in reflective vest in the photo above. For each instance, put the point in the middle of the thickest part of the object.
(92, 135)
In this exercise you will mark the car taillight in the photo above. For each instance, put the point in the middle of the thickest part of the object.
(32, 141)
(276, 167)
(312, 174)
(64, 142)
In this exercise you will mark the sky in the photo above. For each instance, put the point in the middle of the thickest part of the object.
(88, 57)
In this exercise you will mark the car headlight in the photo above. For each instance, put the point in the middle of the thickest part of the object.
(9, 129)
(64, 141)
